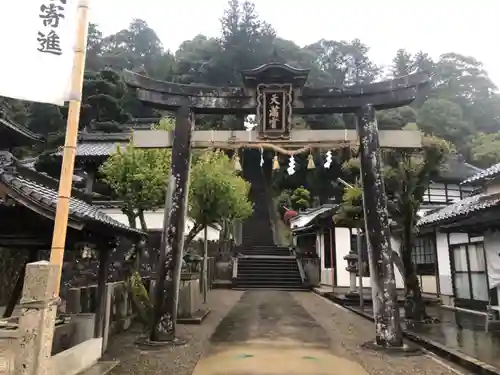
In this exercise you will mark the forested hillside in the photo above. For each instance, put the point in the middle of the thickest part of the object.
(463, 105)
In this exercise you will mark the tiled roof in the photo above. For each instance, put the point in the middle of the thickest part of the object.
(490, 172)
(461, 208)
(47, 198)
(95, 149)
(84, 137)
(135, 123)
(304, 218)
(14, 135)
(98, 144)
(29, 163)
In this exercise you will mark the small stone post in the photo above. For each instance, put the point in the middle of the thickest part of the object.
(36, 324)
(352, 268)
(385, 309)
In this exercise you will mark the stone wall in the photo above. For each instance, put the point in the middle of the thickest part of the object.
(23, 338)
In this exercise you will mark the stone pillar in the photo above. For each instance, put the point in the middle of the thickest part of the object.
(89, 182)
(172, 242)
(105, 249)
(8, 346)
(73, 301)
(36, 324)
(383, 283)
(238, 232)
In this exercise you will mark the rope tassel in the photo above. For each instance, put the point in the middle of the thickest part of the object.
(237, 164)
(276, 163)
(310, 162)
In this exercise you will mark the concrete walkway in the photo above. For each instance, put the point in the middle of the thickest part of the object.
(269, 332)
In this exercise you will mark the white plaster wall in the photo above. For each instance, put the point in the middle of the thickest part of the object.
(428, 284)
(326, 273)
(342, 248)
(154, 221)
(444, 265)
(457, 238)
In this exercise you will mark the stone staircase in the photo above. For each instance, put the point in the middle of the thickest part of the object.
(262, 264)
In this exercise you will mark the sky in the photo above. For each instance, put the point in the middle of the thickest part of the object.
(434, 26)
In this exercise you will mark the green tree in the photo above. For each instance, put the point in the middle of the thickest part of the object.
(485, 149)
(45, 119)
(217, 192)
(341, 63)
(444, 118)
(407, 176)
(137, 178)
(197, 61)
(246, 40)
(396, 118)
(217, 195)
(94, 49)
(301, 199)
(103, 96)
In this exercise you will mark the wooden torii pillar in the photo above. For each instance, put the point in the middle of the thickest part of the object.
(274, 92)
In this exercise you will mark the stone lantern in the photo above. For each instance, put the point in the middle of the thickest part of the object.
(352, 268)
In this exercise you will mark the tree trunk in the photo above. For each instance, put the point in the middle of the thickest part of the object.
(192, 233)
(414, 304)
(18, 288)
(205, 264)
(131, 219)
(142, 220)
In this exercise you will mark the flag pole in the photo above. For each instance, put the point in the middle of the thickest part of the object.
(69, 151)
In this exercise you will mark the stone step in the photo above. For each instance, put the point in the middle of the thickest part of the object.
(268, 267)
(271, 263)
(264, 270)
(269, 278)
(270, 282)
(273, 288)
(267, 258)
(265, 253)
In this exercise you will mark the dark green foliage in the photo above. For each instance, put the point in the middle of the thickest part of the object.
(300, 199)
(464, 101)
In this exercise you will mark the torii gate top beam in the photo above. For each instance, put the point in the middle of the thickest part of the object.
(306, 100)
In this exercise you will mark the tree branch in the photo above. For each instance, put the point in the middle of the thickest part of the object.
(197, 227)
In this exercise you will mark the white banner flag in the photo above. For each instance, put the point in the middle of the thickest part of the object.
(38, 39)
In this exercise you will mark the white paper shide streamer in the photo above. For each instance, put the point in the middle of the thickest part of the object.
(291, 165)
(328, 159)
(39, 43)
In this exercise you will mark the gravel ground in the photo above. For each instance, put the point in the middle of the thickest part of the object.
(349, 331)
(179, 360)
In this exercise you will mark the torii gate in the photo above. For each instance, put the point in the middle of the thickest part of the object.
(273, 92)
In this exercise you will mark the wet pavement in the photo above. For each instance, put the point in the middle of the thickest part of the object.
(271, 332)
(268, 332)
(460, 331)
